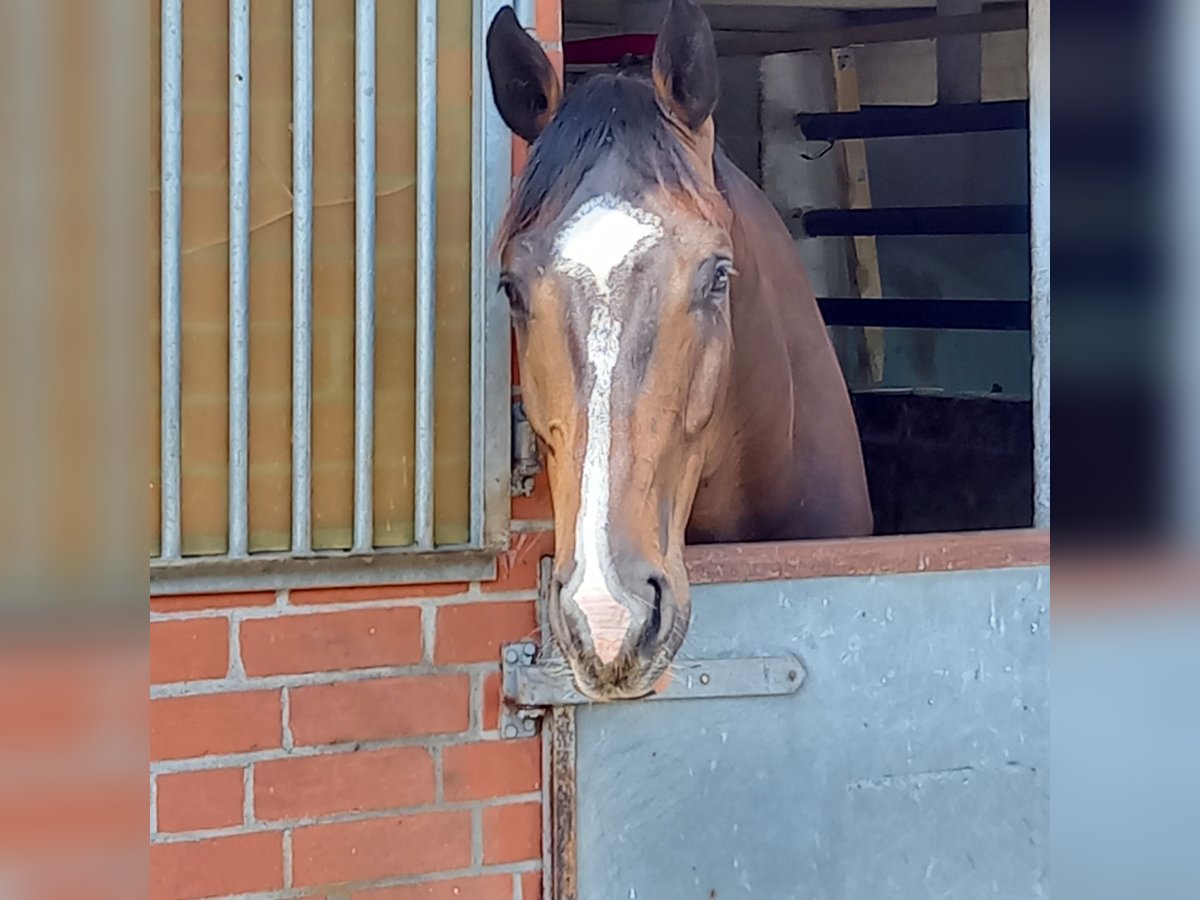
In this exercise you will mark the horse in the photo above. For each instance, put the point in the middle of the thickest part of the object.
(674, 363)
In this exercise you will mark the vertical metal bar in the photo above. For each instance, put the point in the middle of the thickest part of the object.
(302, 141)
(27, 89)
(526, 11)
(172, 161)
(426, 264)
(491, 390)
(1039, 239)
(1185, 312)
(239, 274)
(364, 273)
(124, 72)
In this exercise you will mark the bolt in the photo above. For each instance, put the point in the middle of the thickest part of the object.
(511, 731)
(705, 679)
(793, 674)
(510, 655)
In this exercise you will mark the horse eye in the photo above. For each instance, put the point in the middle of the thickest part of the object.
(720, 277)
(516, 300)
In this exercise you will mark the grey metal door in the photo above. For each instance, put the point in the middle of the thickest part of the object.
(911, 762)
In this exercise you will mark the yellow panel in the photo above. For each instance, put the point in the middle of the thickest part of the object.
(205, 276)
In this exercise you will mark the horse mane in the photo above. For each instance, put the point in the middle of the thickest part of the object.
(608, 114)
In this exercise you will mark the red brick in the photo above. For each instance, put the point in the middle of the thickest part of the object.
(215, 723)
(374, 592)
(242, 863)
(188, 602)
(491, 769)
(356, 639)
(381, 708)
(474, 632)
(531, 886)
(512, 833)
(485, 887)
(381, 848)
(491, 702)
(192, 801)
(344, 782)
(517, 568)
(537, 506)
(41, 813)
(189, 650)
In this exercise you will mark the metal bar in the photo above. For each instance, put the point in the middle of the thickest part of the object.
(916, 29)
(886, 555)
(959, 315)
(171, 324)
(916, 220)
(491, 389)
(913, 121)
(364, 274)
(528, 685)
(302, 207)
(1039, 250)
(526, 11)
(272, 571)
(26, 310)
(426, 266)
(239, 274)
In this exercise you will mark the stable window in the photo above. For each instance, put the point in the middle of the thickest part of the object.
(331, 401)
(906, 148)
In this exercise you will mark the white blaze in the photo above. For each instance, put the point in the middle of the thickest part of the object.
(602, 236)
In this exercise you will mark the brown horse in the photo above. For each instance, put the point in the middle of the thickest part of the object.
(673, 360)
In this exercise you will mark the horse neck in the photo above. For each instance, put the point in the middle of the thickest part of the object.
(758, 413)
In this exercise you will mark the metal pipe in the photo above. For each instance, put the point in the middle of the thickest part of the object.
(1039, 247)
(526, 11)
(171, 322)
(426, 266)
(302, 142)
(364, 274)
(239, 274)
(917, 220)
(910, 121)
(942, 314)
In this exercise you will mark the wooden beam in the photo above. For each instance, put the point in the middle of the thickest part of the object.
(923, 28)
(858, 196)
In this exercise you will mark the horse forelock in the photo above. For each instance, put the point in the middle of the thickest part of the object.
(609, 115)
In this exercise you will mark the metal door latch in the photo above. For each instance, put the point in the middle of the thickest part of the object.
(529, 687)
(526, 462)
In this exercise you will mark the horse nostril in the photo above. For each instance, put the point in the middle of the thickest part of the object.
(654, 623)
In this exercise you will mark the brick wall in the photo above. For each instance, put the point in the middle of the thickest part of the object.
(342, 743)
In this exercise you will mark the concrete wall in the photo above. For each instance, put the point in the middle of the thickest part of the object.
(950, 170)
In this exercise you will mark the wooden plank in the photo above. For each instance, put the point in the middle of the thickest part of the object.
(858, 196)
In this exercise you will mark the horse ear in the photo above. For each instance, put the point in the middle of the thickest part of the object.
(524, 84)
(685, 64)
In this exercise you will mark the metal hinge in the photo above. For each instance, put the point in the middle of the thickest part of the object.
(526, 462)
(530, 687)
